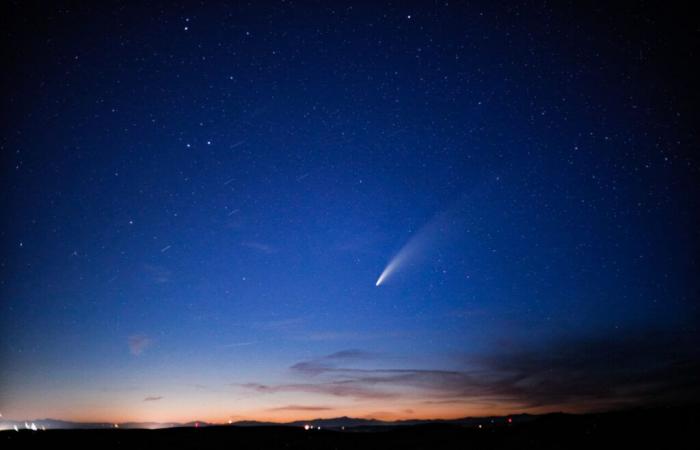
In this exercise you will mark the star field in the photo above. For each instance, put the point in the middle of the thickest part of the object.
(199, 201)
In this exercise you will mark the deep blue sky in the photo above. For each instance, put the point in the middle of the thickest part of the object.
(198, 201)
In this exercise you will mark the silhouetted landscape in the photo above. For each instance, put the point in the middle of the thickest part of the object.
(284, 224)
(662, 427)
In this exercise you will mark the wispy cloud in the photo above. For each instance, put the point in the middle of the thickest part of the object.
(152, 399)
(259, 247)
(334, 388)
(239, 344)
(138, 343)
(346, 355)
(612, 372)
(346, 336)
(616, 371)
(327, 363)
(301, 408)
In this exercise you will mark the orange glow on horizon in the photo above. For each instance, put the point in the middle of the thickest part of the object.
(374, 411)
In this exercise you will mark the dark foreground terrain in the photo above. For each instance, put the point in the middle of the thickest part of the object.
(659, 428)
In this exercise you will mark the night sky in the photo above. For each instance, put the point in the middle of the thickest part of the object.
(284, 210)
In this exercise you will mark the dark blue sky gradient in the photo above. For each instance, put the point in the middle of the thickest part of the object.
(198, 201)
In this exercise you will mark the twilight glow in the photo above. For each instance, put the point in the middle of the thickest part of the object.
(199, 203)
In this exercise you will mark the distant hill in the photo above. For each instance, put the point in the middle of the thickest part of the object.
(53, 424)
(330, 423)
(649, 428)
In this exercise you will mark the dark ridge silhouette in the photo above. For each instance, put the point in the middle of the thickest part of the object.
(647, 428)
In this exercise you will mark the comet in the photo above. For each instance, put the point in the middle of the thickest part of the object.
(397, 262)
(387, 271)
(416, 246)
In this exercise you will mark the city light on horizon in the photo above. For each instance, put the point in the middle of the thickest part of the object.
(229, 213)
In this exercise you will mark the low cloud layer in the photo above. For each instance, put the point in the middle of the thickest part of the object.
(301, 408)
(659, 367)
